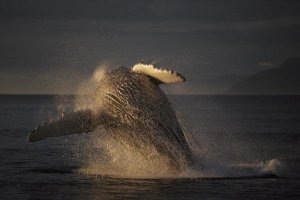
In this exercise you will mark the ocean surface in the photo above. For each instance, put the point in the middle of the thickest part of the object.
(250, 147)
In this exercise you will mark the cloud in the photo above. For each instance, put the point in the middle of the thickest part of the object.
(265, 64)
(202, 39)
(150, 10)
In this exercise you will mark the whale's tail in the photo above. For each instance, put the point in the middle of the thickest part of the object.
(72, 123)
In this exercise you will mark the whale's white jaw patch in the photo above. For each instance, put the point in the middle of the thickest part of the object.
(163, 75)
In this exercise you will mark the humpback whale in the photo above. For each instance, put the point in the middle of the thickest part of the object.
(135, 110)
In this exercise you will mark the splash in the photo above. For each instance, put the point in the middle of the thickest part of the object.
(102, 153)
(85, 93)
(98, 154)
(106, 156)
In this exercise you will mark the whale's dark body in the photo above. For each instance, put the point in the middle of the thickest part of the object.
(134, 109)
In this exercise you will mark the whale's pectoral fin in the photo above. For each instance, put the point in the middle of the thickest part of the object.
(72, 123)
(161, 75)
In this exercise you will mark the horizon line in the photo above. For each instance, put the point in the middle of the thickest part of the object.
(191, 94)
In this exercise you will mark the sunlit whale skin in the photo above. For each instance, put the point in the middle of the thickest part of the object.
(133, 108)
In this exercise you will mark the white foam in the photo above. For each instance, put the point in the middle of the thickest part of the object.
(102, 155)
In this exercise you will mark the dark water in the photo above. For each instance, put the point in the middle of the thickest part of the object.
(240, 131)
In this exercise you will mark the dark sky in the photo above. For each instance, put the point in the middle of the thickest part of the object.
(50, 46)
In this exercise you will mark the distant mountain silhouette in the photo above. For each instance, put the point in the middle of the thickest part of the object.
(284, 79)
(218, 85)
